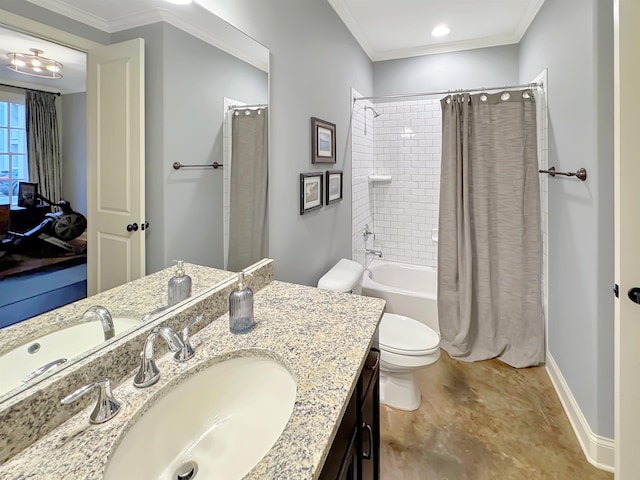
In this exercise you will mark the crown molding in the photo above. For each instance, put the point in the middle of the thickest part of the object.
(445, 48)
(63, 8)
(353, 26)
(213, 36)
(527, 19)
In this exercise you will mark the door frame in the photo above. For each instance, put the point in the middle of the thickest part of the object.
(627, 236)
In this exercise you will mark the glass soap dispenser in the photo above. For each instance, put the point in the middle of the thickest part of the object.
(241, 308)
(179, 285)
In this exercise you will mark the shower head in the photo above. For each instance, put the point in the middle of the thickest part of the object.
(375, 114)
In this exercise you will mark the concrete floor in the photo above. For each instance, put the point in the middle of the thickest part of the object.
(481, 421)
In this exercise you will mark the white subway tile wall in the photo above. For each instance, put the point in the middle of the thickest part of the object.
(407, 145)
(405, 141)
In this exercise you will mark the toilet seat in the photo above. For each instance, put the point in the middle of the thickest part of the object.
(405, 336)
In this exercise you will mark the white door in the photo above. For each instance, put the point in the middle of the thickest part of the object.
(627, 177)
(115, 165)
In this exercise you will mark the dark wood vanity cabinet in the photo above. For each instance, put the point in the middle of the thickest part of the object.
(355, 452)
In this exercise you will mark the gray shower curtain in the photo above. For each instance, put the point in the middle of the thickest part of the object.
(248, 222)
(43, 144)
(490, 247)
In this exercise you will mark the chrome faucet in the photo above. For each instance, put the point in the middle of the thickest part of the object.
(104, 317)
(148, 373)
(370, 251)
(187, 351)
(107, 406)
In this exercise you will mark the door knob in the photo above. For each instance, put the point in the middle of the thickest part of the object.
(634, 294)
(132, 227)
(144, 226)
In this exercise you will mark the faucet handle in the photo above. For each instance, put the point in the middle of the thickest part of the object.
(187, 351)
(107, 406)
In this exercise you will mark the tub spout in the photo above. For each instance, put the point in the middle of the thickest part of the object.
(369, 251)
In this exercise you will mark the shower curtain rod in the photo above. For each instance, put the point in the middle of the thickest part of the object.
(448, 92)
(240, 107)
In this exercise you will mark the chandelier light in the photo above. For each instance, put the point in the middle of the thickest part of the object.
(33, 64)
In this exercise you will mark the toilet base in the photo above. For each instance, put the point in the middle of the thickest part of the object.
(399, 390)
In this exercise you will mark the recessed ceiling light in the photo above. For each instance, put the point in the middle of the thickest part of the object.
(440, 30)
(180, 2)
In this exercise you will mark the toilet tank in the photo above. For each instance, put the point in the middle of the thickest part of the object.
(345, 276)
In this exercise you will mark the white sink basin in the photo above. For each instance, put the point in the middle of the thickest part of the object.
(67, 343)
(223, 419)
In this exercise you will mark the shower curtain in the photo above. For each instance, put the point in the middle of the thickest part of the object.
(248, 223)
(43, 144)
(490, 246)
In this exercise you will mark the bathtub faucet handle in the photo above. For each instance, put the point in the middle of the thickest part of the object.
(366, 232)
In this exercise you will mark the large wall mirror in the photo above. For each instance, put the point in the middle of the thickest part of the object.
(206, 103)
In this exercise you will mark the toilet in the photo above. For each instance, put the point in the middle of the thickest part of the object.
(405, 343)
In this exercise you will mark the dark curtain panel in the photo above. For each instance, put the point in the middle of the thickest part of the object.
(43, 144)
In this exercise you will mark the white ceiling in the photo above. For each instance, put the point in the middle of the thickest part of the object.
(388, 29)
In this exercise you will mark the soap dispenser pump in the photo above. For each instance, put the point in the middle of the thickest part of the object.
(179, 285)
(241, 308)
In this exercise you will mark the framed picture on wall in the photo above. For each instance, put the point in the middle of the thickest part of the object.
(333, 186)
(27, 194)
(310, 192)
(323, 141)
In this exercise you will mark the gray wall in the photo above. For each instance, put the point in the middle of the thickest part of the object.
(488, 67)
(74, 150)
(562, 38)
(314, 63)
(196, 78)
(186, 81)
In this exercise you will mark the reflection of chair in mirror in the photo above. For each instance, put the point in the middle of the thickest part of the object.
(247, 234)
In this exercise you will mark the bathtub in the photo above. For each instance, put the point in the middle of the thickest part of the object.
(409, 290)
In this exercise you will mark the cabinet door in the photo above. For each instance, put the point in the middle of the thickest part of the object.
(369, 428)
(349, 470)
(344, 445)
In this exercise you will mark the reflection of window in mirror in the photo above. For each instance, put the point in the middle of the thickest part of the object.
(13, 147)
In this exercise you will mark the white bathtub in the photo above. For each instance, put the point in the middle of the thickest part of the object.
(409, 290)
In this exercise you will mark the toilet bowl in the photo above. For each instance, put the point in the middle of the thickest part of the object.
(405, 343)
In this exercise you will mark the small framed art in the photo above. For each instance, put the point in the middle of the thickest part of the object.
(27, 194)
(323, 141)
(333, 186)
(310, 192)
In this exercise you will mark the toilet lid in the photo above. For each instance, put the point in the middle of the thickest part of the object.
(406, 336)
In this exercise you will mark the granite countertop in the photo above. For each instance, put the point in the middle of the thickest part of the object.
(322, 337)
(150, 293)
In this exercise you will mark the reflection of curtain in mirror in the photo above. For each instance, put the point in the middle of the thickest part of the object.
(248, 226)
(43, 144)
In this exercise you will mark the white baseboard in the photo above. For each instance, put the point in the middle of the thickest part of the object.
(598, 450)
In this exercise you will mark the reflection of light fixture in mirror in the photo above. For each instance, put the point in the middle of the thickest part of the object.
(440, 30)
(33, 64)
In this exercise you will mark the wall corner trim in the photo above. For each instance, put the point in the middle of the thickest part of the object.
(598, 450)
